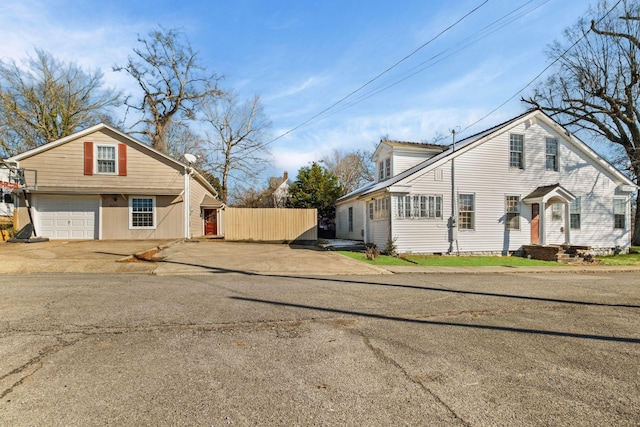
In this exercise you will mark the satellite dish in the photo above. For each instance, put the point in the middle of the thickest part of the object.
(190, 158)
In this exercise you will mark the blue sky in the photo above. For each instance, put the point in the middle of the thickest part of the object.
(302, 57)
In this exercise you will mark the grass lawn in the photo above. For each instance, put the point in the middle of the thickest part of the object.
(632, 258)
(451, 261)
(381, 260)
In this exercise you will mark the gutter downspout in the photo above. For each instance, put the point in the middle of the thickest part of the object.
(188, 171)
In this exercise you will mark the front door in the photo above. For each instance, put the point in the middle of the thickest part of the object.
(535, 223)
(210, 222)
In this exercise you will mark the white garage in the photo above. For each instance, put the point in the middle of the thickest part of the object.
(67, 217)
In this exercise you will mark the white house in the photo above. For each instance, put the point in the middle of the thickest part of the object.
(527, 181)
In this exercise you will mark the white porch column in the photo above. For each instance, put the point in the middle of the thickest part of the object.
(543, 222)
(567, 223)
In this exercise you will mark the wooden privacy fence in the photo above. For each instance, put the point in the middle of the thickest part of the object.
(271, 224)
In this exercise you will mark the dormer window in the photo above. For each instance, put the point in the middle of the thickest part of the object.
(384, 169)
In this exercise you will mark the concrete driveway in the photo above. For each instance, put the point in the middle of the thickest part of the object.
(175, 257)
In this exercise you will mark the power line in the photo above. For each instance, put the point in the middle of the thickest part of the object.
(544, 70)
(380, 74)
(467, 42)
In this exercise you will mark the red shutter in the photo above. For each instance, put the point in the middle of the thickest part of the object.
(88, 158)
(122, 159)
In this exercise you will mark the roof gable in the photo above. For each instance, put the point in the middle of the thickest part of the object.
(473, 141)
(88, 131)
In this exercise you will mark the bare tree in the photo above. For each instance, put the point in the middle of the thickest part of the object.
(172, 80)
(47, 99)
(596, 86)
(353, 169)
(238, 138)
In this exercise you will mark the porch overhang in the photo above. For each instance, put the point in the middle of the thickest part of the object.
(549, 194)
(210, 203)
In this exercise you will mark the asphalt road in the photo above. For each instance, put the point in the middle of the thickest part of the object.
(240, 349)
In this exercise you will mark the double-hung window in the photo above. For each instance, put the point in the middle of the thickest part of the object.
(142, 212)
(513, 212)
(106, 159)
(466, 211)
(619, 213)
(551, 151)
(574, 212)
(384, 169)
(516, 151)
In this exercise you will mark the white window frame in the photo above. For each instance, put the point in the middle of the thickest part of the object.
(623, 204)
(381, 171)
(511, 150)
(387, 168)
(419, 206)
(575, 208)
(512, 209)
(555, 156)
(556, 212)
(154, 211)
(472, 225)
(96, 150)
(381, 208)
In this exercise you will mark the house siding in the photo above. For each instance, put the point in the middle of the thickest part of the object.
(483, 170)
(63, 166)
(65, 169)
(342, 221)
(196, 220)
(115, 219)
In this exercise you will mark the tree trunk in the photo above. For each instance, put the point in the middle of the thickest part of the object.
(635, 238)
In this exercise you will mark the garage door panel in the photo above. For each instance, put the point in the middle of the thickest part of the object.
(71, 217)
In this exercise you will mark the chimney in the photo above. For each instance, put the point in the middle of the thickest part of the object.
(286, 175)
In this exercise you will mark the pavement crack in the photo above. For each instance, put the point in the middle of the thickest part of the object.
(384, 358)
(35, 363)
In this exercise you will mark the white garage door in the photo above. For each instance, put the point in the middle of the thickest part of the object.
(67, 217)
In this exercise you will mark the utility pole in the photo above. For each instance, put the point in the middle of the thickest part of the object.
(453, 220)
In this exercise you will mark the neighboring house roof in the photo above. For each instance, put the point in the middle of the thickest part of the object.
(414, 144)
(470, 142)
(101, 127)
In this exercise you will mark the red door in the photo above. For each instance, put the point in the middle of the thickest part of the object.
(535, 223)
(210, 222)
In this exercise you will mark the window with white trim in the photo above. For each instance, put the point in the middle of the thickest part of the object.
(142, 212)
(371, 210)
(419, 206)
(381, 208)
(516, 151)
(574, 212)
(466, 211)
(512, 221)
(619, 213)
(551, 151)
(384, 169)
(556, 212)
(105, 159)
